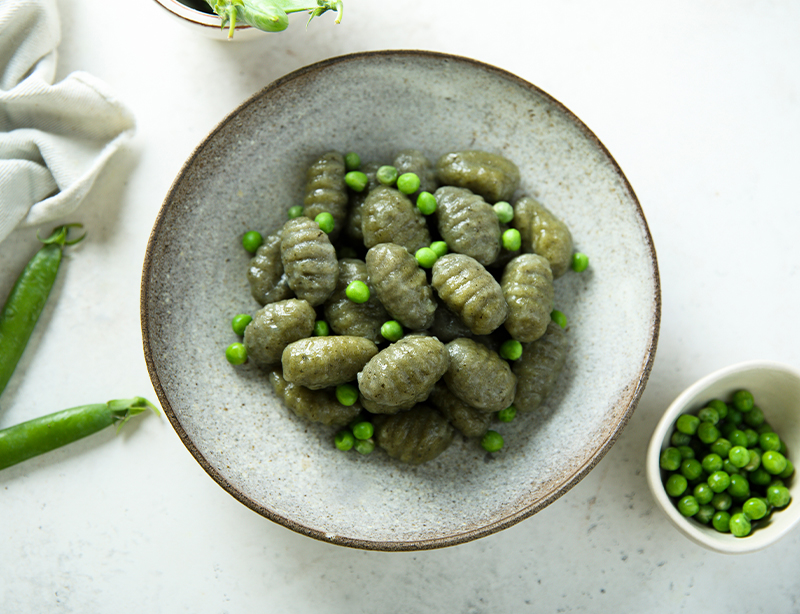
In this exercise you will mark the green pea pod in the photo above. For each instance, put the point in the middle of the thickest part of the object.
(263, 15)
(40, 435)
(27, 300)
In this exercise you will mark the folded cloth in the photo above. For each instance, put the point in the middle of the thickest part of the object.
(54, 138)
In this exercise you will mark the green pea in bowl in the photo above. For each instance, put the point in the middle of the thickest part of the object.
(248, 172)
(776, 390)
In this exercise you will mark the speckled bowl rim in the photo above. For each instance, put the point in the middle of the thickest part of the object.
(457, 538)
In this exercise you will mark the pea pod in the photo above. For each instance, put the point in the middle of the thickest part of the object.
(27, 299)
(40, 435)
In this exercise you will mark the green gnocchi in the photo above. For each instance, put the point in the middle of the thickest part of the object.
(468, 224)
(419, 349)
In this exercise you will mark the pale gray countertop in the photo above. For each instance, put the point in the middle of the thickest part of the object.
(699, 103)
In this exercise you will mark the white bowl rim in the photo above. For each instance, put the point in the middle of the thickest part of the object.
(757, 540)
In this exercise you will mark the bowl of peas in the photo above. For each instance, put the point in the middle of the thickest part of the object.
(721, 461)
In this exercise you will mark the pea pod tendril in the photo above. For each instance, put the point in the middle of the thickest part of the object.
(270, 15)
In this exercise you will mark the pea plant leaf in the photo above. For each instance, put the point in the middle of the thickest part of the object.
(270, 15)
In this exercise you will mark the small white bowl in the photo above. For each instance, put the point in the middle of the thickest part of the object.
(206, 23)
(776, 388)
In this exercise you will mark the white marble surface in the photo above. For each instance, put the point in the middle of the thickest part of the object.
(700, 105)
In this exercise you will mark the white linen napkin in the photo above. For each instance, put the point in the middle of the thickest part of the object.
(54, 138)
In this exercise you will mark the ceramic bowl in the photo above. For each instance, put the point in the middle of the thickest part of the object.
(776, 388)
(194, 15)
(247, 173)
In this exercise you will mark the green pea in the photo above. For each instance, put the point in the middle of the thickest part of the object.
(240, 322)
(426, 203)
(352, 161)
(691, 468)
(387, 175)
(735, 417)
(754, 508)
(740, 487)
(357, 291)
(721, 447)
(722, 501)
(439, 248)
(774, 462)
(236, 353)
(325, 222)
(729, 467)
(769, 441)
(507, 414)
(764, 428)
(408, 183)
(708, 414)
(321, 329)
(721, 521)
(364, 446)
(347, 394)
(504, 211)
(754, 462)
(356, 181)
(788, 471)
(677, 438)
(720, 406)
(688, 506)
(344, 440)
(719, 481)
(739, 456)
(703, 493)
(363, 430)
(755, 417)
(511, 349)
(760, 477)
(251, 241)
(687, 424)
(670, 459)
(426, 257)
(676, 485)
(738, 438)
(492, 441)
(704, 514)
(752, 437)
(580, 262)
(726, 428)
(560, 319)
(740, 525)
(511, 240)
(707, 433)
(687, 452)
(743, 400)
(778, 496)
(711, 463)
(295, 211)
(392, 330)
